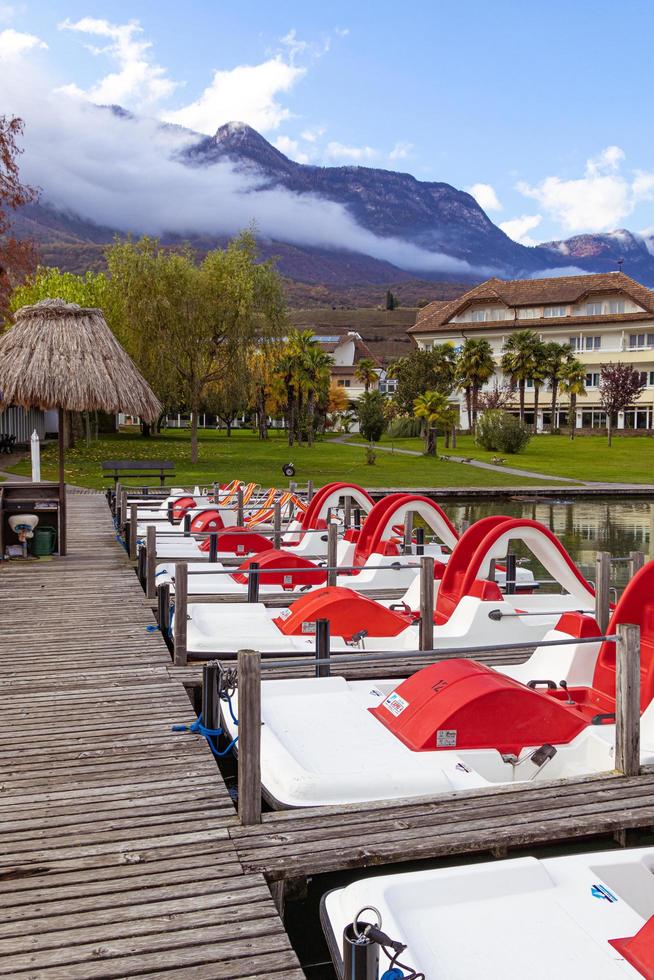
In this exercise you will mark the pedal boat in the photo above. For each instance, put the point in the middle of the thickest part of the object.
(579, 917)
(457, 724)
(469, 610)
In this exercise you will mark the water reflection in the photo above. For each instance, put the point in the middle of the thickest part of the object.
(583, 526)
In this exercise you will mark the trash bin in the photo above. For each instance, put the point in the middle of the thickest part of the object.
(44, 541)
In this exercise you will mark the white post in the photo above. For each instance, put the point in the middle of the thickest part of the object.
(36, 457)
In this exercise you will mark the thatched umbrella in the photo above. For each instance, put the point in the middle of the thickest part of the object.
(61, 356)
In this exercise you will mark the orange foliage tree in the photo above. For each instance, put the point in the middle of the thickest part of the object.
(17, 258)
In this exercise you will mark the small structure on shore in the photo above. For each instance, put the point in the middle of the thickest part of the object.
(62, 356)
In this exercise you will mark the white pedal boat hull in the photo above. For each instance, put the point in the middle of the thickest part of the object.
(512, 919)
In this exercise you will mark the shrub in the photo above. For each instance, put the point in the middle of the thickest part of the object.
(370, 410)
(404, 427)
(499, 431)
(371, 456)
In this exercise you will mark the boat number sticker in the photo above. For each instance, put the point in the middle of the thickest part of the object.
(288, 580)
(395, 704)
(599, 891)
(284, 613)
(309, 627)
(446, 738)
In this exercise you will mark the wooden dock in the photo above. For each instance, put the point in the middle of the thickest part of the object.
(116, 855)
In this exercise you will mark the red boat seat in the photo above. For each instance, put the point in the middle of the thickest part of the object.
(180, 507)
(269, 561)
(638, 950)
(348, 613)
(207, 520)
(461, 704)
(238, 541)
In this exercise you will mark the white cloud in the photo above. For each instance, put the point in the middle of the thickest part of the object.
(128, 173)
(518, 228)
(598, 201)
(312, 135)
(247, 92)
(338, 151)
(485, 196)
(14, 43)
(400, 151)
(139, 82)
(291, 148)
(556, 273)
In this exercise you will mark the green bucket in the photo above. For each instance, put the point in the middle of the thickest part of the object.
(43, 542)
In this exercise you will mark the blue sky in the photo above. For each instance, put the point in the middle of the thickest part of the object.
(542, 109)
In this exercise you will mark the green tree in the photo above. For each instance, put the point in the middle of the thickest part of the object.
(572, 383)
(434, 410)
(366, 372)
(519, 359)
(370, 411)
(555, 357)
(421, 371)
(303, 372)
(474, 367)
(191, 322)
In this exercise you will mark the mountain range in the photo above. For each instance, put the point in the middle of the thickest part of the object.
(432, 217)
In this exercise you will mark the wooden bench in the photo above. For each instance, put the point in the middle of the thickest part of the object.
(128, 469)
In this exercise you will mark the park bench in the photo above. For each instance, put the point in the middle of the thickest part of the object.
(128, 469)
(7, 443)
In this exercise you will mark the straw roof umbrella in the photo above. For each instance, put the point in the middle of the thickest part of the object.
(61, 356)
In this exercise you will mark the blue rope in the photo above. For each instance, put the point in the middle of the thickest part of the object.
(151, 628)
(393, 974)
(226, 697)
(197, 727)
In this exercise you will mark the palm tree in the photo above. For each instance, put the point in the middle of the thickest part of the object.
(555, 358)
(519, 361)
(366, 373)
(433, 407)
(538, 376)
(475, 366)
(572, 382)
(316, 367)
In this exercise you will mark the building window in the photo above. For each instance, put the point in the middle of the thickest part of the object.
(641, 340)
(651, 379)
(592, 380)
(529, 313)
(575, 343)
(343, 384)
(555, 311)
(642, 377)
(594, 309)
(616, 306)
(593, 343)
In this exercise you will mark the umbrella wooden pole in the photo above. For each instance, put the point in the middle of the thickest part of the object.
(62, 484)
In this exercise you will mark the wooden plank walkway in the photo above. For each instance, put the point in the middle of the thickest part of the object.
(297, 843)
(116, 859)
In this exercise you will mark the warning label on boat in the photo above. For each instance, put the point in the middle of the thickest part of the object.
(395, 704)
(446, 738)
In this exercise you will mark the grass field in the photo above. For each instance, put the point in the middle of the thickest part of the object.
(629, 460)
(246, 458)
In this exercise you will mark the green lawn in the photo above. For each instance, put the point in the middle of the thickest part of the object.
(629, 460)
(246, 458)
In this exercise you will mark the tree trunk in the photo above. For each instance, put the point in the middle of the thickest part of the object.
(536, 401)
(195, 417)
(448, 433)
(468, 391)
(475, 397)
(311, 407)
(146, 430)
(555, 391)
(573, 415)
(261, 411)
(228, 426)
(521, 393)
(429, 441)
(290, 419)
(609, 427)
(454, 437)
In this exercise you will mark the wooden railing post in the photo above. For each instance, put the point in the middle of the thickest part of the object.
(636, 562)
(322, 648)
(151, 561)
(253, 581)
(163, 610)
(240, 511)
(123, 508)
(309, 491)
(181, 611)
(602, 586)
(408, 533)
(277, 525)
(332, 551)
(210, 696)
(133, 525)
(510, 574)
(347, 513)
(427, 602)
(249, 736)
(627, 700)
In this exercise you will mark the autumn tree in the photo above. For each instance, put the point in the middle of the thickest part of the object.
(620, 385)
(187, 323)
(17, 258)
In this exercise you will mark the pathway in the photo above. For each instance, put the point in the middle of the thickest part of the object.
(116, 859)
